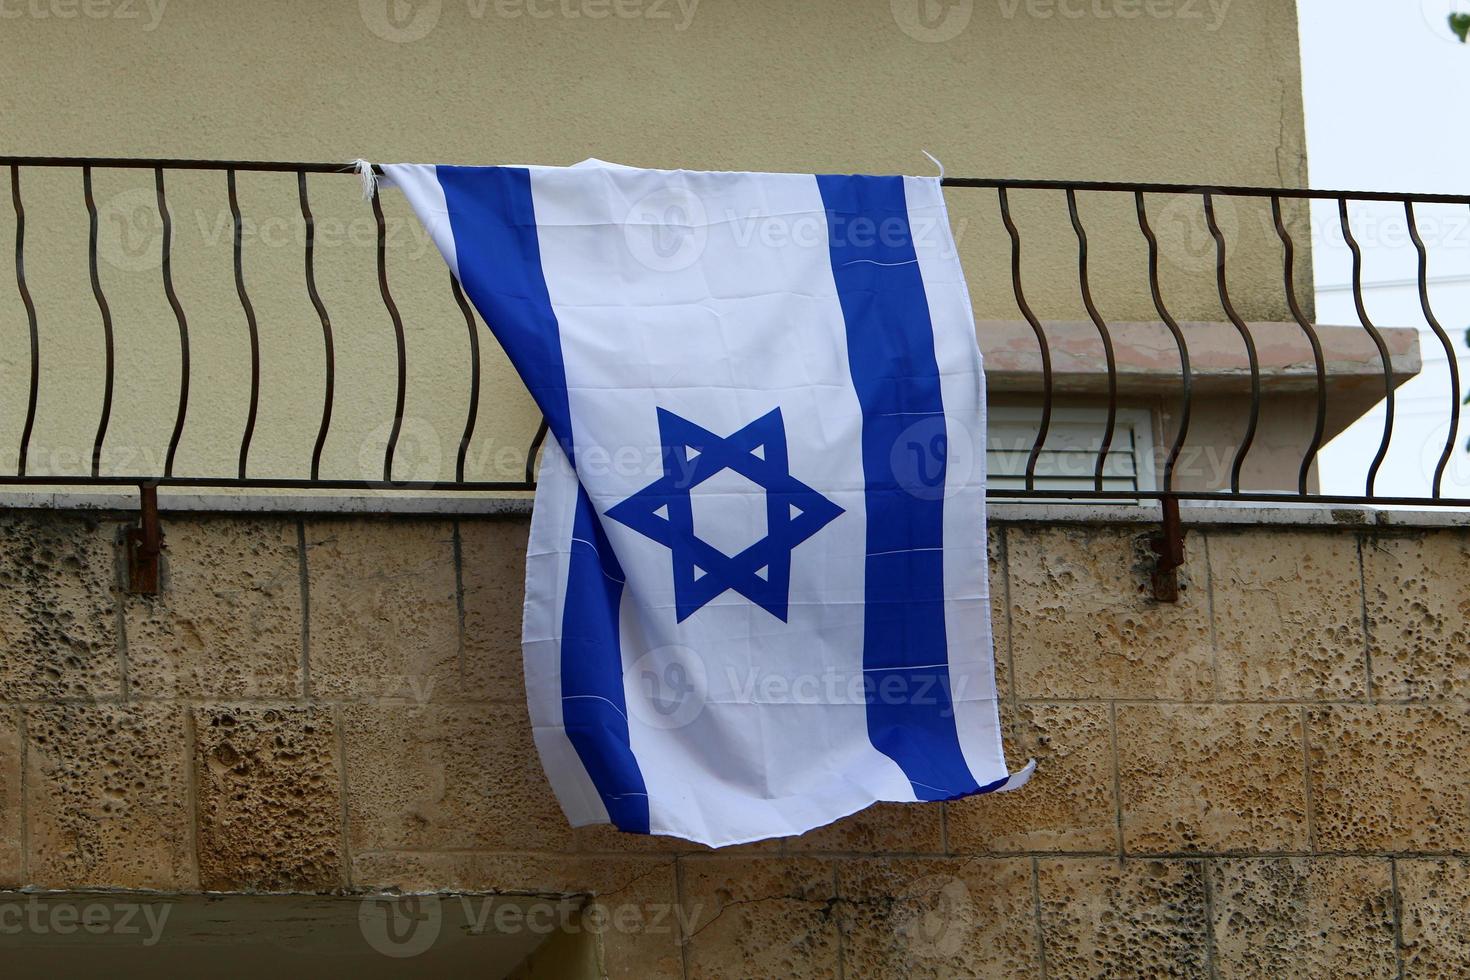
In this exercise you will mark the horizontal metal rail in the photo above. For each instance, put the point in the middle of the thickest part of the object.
(275, 166)
(1181, 407)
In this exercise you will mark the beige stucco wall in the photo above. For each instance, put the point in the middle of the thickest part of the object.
(1266, 779)
(1166, 90)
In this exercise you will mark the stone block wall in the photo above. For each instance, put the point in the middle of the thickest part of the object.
(1269, 778)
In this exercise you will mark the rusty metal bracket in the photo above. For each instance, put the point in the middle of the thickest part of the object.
(1168, 546)
(145, 546)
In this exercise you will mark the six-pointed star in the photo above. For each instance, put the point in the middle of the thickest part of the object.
(664, 511)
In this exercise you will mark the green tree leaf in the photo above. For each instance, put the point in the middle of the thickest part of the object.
(1460, 24)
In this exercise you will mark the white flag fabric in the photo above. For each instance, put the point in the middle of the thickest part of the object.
(756, 587)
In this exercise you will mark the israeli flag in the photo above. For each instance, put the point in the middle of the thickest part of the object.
(756, 590)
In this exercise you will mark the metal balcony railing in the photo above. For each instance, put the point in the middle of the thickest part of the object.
(1044, 376)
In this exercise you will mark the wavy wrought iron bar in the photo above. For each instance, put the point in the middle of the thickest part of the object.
(1444, 341)
(25, 295)
(1104, 333)
(536, 442)
(321, 312)
(1288, 248)
(1388, 409)
(474, 409)
(1046, 372)
(250, 322)
(173, 301)
(106, 313)
(402, 396)
(1245, 336)
(1186, 398)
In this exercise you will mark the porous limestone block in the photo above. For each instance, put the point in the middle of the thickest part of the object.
(760, 918)
(493, 573)
(228, 622)
(1084, 624)
(1196, 777)
(951, 917)
(58, 622)
(1135, 918)
(1435, 895)
(1067, 806)
(12, 862)
(1417, 592)
(1390, 777)
(383, 610)
(270, 806)
(1303, 917)
(1288, 617)
(447, 777)
(106, 797)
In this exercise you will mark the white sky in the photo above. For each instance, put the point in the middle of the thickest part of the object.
(1386, 86)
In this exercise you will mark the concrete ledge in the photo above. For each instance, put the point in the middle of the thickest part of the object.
(1148, 357)
(1198, 513)
(449, 504)
(1229, 513)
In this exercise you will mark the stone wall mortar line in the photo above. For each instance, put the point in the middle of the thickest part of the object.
(120, 648)
(1207, 869)
(120, 614)
(205, 700)
(683, 940)
(25, 804)
(1367, 635)
(1036, 915)
(1398, 916)
(841, 932)
(1459, 701)
(1172, 856)
(458, 547)
(305, 612)
(405, 702)
(1210, 613)
(339, 726)
(191, 793)
(1307, 781)
(1005, 584)
(1117, 778)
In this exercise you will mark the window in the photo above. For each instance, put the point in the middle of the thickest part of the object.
(1068, 460)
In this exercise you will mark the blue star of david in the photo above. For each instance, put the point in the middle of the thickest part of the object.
(664, 511)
